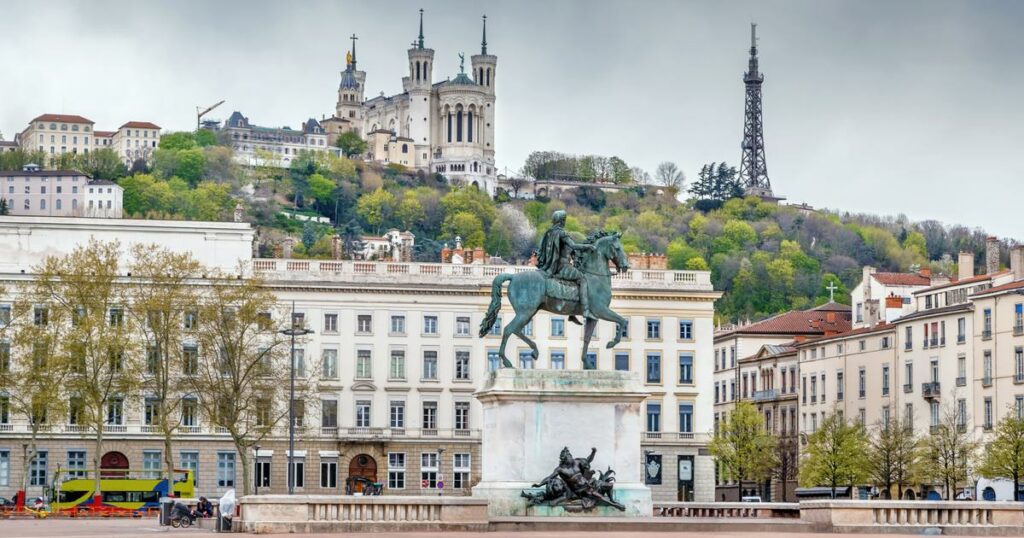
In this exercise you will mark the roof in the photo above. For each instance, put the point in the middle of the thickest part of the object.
(140, 125)
(962, 307)
(311, 126)
(348, 79)
(1017, 285)
(8, 143)
(772, 350)
(902, 279)
(880, 328)
(462, 79)
(66, 118)
(973, 279)
(40, 173)
(102, 182)
(236, 119)
(800, 322)
(104, 133)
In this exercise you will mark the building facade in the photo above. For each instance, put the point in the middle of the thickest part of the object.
(396, 361)
(56, 134)
(444, 127)
(273, 146)
(134, 141)
(59, 193)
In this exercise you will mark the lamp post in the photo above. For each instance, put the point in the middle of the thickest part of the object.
(259, 472)
(294, 331)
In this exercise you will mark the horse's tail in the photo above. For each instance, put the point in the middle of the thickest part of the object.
(492, 310)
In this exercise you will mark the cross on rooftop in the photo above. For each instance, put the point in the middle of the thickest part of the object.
(831, 291)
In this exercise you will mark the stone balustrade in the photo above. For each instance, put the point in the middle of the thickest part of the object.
(840, 514)
(446, 273)
(263, 514)
(727, 510)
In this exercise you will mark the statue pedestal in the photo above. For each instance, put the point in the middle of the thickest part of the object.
(530, 415)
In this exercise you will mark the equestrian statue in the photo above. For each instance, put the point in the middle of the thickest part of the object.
(572, 278)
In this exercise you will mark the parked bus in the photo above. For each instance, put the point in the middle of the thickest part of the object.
(119, 489)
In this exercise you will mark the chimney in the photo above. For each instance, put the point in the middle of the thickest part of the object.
(925, 272)
(865, 280)
(1017, 262)
(965, 265)
(446, 254)
(991, 255)
(286, 249)
(893, 301)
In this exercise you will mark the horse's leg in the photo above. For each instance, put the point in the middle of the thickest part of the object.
(529, 341)
(602, 311)
(511, 328)
(588, 333)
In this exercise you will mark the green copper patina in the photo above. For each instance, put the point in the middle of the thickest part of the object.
(572, 278)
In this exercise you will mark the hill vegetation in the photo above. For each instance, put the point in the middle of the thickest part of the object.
(766, 257)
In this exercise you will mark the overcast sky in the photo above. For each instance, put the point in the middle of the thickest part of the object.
(885, 107)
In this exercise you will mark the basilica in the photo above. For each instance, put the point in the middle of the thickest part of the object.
(444, 126)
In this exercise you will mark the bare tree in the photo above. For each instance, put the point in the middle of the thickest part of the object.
(669, 175)
(516, 184)
(895, 456)
(950, 450)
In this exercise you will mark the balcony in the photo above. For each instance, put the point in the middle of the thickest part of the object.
(960, 339)
(908, 387)
(930, 390)
(189, 429)
(328, 431)
(986, 334)
(961, 381)
(1018, 329)
(76, 428)
(1018, 378)
(404, 433)
(764, 395)
(6, 427)
(986, 381)
(149, 428)
(115, 428)
(652, 435)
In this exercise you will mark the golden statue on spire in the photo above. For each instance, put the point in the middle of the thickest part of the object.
(348, 57)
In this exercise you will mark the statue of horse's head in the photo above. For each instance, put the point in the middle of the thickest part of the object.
(609, 245)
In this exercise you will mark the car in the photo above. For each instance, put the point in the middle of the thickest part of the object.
(751, 499)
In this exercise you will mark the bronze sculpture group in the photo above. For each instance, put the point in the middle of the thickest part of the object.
(572, 484)
(572, 278)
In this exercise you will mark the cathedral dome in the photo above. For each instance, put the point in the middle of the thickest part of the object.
(462, 79)
(348, 80)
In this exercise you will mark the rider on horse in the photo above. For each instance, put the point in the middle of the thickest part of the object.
(556, 256)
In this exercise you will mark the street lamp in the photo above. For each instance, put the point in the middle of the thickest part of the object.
(259, 472)
(294, 331)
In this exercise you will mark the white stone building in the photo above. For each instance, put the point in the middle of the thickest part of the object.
(444, 127)
(56, 134)
(273, 146)
(396, 361)
(135, 140)
(59, 193)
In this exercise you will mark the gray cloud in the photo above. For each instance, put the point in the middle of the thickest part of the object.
(887, 107)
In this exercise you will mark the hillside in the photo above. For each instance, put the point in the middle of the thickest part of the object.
(767, 258)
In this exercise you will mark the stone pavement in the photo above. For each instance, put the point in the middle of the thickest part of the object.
(69, 528)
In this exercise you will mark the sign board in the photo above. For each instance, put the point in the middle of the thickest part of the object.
(652, 469)
(440, 484)
(685, 469)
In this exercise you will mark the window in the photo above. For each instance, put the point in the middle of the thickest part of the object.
(1018, 318)
(429, 324)
(115, 412)
(298, 472)
(462, 326)
(493, 361)
(840, 386)
(961, 370)
(496, 328)
(363, 413)
(685, 329)
(397, 324)
(299, 362)
(814, 388)
(76, 464)
(151, 463)
(299, 413)
(908, 376)
(462, 416)
(861, 382)
(5, 357)
(625, 329)
(557, 327)
(40, 316)
(396, 470)
(397, 415)
(1018, 360)
(558, 360)
(653, 368)
(364, 323)
(330, 323)
(653, 417)
(988, 413)
(590, 361)
(430, 365)
(526, 360)
(686, 368)
(622, 362)
(328, 413)
(396, 370)
(429, 415)
(5, 314)
(329, 473)
(885, 380)
(686, 418)
(653, 329)
(37, 469)
(885, 416)
(116, 317)
(986, 327)
(986, 379)
(263, 473)
(908, 338)
(363, 364)
(189, 412)
(329, 364)
(462, 365)
(460, 470)
(429, 469)
(152, 359)
(862, 345)
(191, 320)
(151, 412)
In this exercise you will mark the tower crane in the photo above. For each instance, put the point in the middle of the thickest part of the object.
(199, 115)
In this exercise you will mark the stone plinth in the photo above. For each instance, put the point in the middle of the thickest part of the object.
(530, 415)
(266, 514)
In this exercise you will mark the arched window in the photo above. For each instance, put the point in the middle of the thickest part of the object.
(405, 148)
(58, 203)
(449, 126)
(42, 204)
(488, 77)
(458, 123)
(417, 71)
(74, 203)
(469, 126)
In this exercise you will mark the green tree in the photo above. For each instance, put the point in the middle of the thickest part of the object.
(949, 451)
(4, 206)
(536, 212)
(467, 226)
(375, 208)
(894, 456)
(1004, 454)
(102, 163)
(697, 264)
(308, 235)
(835, 455)
(178, 141)
(321, 188)
(190, 164)
(499, 240)
(205, 137)
(745, 451)
(620, 170)
(410, 211)
(916, 244)
(351, 144)
(469, 200)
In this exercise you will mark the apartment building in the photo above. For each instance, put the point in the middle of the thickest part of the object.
(738, 375)
(33, 191)
(273, 146)
(55, 134)
(868, 298)
(135, 140)
(775, 368)
(396, 362)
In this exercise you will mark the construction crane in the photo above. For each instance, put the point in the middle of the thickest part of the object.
(199, 115)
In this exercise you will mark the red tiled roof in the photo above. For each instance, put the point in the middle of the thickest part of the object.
(1019, 284)
(800, 322)
(140, 125)
(103, 133)
(973, 279)
(902, 279)
(66, 118)
(881, 327)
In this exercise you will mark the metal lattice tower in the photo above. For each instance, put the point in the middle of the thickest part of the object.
(753, 168)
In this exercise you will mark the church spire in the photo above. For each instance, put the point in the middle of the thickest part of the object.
(483, 44)
(419, 41)
(352, 53)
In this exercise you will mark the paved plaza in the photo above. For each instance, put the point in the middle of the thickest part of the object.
(66, 528)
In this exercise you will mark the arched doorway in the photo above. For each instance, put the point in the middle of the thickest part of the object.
(988, 494)
(362, 470)
(909, 495)
(112, 463)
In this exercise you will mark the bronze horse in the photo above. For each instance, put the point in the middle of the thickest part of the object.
(533, 290)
